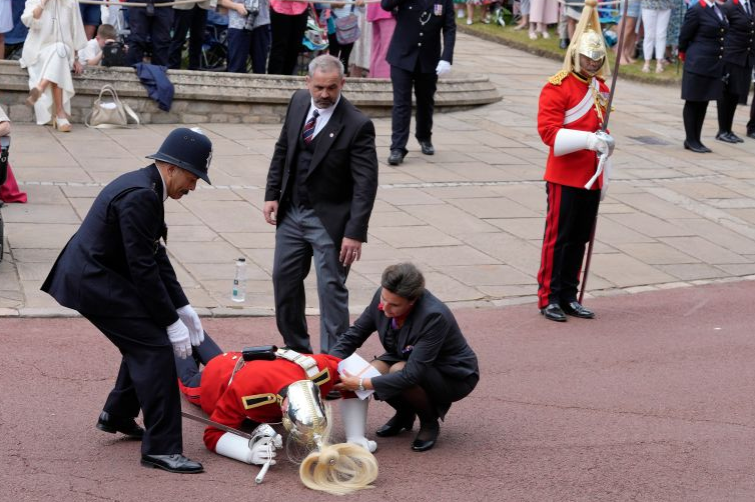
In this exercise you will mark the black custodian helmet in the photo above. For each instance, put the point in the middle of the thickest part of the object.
(188, 149)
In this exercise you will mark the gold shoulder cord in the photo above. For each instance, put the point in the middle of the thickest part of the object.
(600, 101)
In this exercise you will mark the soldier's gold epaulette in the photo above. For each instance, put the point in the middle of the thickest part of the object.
(558, 77)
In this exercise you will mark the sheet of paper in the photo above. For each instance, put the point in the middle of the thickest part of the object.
(355, 365)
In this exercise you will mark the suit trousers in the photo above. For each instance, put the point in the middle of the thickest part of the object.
(424, 90)
(188, 369)
(300, 236)
(149, 34)
(146, 379)
(243, 43)
(193, 22)
(287, 33)
(568, 224)
(751, 122)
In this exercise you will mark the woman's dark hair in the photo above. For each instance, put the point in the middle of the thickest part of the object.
(405, 280)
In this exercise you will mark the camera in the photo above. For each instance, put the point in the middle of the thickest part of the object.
(253, 8)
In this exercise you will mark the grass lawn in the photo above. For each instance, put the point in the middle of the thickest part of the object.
(549, 48)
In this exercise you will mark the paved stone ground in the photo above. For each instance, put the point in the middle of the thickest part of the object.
(471, 216)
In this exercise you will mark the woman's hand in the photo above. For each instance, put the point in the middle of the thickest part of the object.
(351, 383)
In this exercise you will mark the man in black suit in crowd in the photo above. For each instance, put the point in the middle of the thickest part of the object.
(116, 273)
(320, 191)
(739, 57)
(417, 59)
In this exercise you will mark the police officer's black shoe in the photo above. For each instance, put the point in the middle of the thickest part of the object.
(553, 312)
(427, 147)
(577, 310)
(127, 426)
(172, 463)
(396, 157)
(735, 137)
(751, 134)
(696, 147)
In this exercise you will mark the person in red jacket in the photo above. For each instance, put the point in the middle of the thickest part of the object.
(231, 391)
(570, 117)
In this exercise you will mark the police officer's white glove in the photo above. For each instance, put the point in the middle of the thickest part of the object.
(178, 334)
(190, 318)
(443, 68)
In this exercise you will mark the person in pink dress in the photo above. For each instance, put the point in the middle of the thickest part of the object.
(383, 24)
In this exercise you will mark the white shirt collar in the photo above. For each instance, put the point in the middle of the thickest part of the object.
(324, 114)
(165, 188)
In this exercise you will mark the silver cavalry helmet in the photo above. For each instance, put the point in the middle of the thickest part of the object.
(304, 415)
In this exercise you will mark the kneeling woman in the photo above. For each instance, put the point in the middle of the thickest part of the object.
(427, 364)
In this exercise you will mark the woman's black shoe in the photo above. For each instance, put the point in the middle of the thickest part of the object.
(395, 425)
(427, 436)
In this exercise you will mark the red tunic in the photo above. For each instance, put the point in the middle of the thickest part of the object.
(573, 169)
(253, 393)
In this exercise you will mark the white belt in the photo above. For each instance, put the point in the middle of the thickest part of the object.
(307, 363)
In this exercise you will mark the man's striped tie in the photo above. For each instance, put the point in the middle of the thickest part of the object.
(309, 128)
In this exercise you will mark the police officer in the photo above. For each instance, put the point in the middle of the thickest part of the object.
(418, 58)
(739, 58)
(701, 47)
(116, 273)
(150, 32)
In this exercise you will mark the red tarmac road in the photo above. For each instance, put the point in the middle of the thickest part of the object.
(651, 401)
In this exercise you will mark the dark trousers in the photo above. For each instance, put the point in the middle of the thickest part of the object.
(288, 32)
(424, 90)
(568, 224)
(300, 237)
(146, 379)
(243, 43)
(149, 33)
(727, 105)
(340, 51)
(188, 369)
(694, 116)
(751, 122)
(193, 22)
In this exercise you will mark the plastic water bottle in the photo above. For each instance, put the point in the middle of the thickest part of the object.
(238, 294)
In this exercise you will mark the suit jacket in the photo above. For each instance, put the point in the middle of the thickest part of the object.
(740, 40)
(114, 265)
(414, 41)
(430, 337)
(702, 39)
(341, 183)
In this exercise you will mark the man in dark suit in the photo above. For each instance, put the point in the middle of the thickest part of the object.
(427, 364)
(320, 191)
(739, 58)
(150, 32)
(116, 273)
(417, 59)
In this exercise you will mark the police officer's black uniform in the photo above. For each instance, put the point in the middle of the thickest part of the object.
(413, 54)
(701, 39)
(116, 273)
(150, 32)
(739, 57)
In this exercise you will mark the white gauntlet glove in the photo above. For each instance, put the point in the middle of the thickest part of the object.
(610, 143)
(263, 444)
(178, 335)
(600, 142)
(190, 318)
(443, 68)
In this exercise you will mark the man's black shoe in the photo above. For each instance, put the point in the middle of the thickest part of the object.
(735, 137)
(127, 426)
(577, 310)
(396, 157)
(696, 147)
(725, 137)
(427, 147)
(172, 463)
(553, 312)
(563, 43)
(395, 425)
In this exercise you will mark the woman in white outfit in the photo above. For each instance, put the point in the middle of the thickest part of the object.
(56, 32)
(655, 19)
